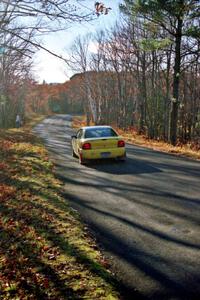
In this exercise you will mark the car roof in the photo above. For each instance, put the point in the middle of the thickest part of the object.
(95, 127)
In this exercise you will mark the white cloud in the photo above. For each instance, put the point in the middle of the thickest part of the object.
(93, 47)
(50, 68)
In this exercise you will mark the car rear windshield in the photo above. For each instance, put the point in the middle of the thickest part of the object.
(99, 132)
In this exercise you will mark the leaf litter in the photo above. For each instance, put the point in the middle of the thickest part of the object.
(45, 250)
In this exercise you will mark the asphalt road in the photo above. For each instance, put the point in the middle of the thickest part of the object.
(145, 213)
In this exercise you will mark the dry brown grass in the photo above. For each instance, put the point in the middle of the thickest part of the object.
(184, 150)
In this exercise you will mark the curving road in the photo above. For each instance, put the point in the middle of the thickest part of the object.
(145, 213)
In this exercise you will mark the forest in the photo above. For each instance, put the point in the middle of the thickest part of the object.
(144, 73)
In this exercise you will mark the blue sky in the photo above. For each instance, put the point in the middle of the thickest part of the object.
(50, 68)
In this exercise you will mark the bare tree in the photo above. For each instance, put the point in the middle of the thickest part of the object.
(42, 16)
(79, 61)
(15, 70)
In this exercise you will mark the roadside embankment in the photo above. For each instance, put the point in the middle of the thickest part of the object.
(45, 250)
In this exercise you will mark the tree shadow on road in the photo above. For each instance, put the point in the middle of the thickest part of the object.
(130, 166)
(135, 256)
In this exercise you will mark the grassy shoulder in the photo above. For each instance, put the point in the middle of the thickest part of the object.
(45, 250)
(130, 136)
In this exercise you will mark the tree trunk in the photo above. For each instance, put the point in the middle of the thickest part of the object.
(144, 96)
(167, 98)
(176, 80)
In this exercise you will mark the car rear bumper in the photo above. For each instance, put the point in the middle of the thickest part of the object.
(103, 153)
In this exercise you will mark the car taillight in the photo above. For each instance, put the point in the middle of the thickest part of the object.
(86, 146)
(121, 144)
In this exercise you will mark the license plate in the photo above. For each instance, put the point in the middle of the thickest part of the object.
(105, 154)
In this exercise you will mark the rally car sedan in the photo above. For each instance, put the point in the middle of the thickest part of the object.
(97, 142)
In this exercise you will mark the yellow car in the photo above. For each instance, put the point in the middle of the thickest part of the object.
(97, 142)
